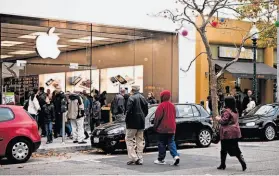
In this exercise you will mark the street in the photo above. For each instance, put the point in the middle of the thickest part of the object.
(262, 159)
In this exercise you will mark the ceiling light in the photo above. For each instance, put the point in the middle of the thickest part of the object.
(62, 46)
(22, 52)
(10, 43)
(5, 56)
(87, 39)
(34, 35)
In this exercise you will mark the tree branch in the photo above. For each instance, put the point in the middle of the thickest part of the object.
(247, 36)
(192, 62)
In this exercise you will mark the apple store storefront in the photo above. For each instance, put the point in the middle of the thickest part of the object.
(78, 57)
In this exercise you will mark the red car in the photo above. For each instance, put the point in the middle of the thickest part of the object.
(19, 135)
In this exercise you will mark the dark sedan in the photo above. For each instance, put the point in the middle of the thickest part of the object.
(262, 121)
(193, 125)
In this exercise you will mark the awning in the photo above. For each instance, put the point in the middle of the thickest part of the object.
(245, 70)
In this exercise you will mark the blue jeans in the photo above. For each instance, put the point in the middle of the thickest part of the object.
(165, 140)
(48, 127)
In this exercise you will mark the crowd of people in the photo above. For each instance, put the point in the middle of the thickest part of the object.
(76, 108)
(245, 102)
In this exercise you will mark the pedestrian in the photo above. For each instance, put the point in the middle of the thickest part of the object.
(76, 116)
(126, 98)
(230, 134)
(96, 113)
(42, 101)
(137, 110)
(49, 115)
(117, 106)
(33, 105)
(208, 105)
(86, 103)
(103, 98)
(151, 99)
(60, 106)
(165, 126)
(246, 99)
(251, 105)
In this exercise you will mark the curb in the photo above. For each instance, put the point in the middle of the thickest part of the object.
(64, 149)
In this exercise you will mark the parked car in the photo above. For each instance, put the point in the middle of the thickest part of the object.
(262, 121)
(19, 135)
(193, 125)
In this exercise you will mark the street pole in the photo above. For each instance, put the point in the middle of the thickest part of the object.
(277, 80)
(255, 87)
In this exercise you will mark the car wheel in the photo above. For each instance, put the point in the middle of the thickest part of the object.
(19, 151)
(269, 132)
(204, 138)
(108, 150)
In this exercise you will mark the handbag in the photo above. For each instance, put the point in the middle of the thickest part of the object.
(216, 135)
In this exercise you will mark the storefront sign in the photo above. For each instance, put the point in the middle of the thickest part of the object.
(9, 98)
(46, 44)
(231, 52)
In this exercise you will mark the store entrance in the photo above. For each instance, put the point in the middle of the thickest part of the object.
(19, 80)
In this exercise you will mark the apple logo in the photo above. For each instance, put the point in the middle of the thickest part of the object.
(46, 44)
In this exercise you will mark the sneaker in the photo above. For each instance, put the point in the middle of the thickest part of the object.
(82, 142)
(160, 162)
(131, 163)
(48, 142)
(139, 162)
(75, 141)
(176, 161)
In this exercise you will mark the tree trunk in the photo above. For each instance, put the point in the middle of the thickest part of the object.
(213, 77)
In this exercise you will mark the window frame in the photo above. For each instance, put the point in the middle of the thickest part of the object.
(12, 114)
(199, 115)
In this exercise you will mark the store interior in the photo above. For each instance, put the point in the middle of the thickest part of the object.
(87, 56)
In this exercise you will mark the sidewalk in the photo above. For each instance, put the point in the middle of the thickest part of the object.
(58, 146)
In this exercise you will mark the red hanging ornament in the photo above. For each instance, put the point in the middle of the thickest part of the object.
(214, 24)
(184, 33)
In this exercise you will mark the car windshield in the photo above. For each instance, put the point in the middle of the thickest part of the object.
(264, 110)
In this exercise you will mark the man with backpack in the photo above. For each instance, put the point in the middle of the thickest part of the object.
(118, 106)
(76, 116)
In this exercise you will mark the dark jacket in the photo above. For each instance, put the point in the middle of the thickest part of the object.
(165, 115)
(151, 101)
(42, 98)
(48, 113)
(96, 109)
(245, 102)
(126, 98)
(60, 103)
(117, 105)
(137, 110)
(229, 125)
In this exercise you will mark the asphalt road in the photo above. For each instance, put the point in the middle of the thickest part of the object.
(262, 159)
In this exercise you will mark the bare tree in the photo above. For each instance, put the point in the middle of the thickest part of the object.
(206, 10)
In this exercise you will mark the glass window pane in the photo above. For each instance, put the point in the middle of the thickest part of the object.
(185, 111)
(195, 111)
(6, 114)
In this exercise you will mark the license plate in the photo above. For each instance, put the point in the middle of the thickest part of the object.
(96, 140)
